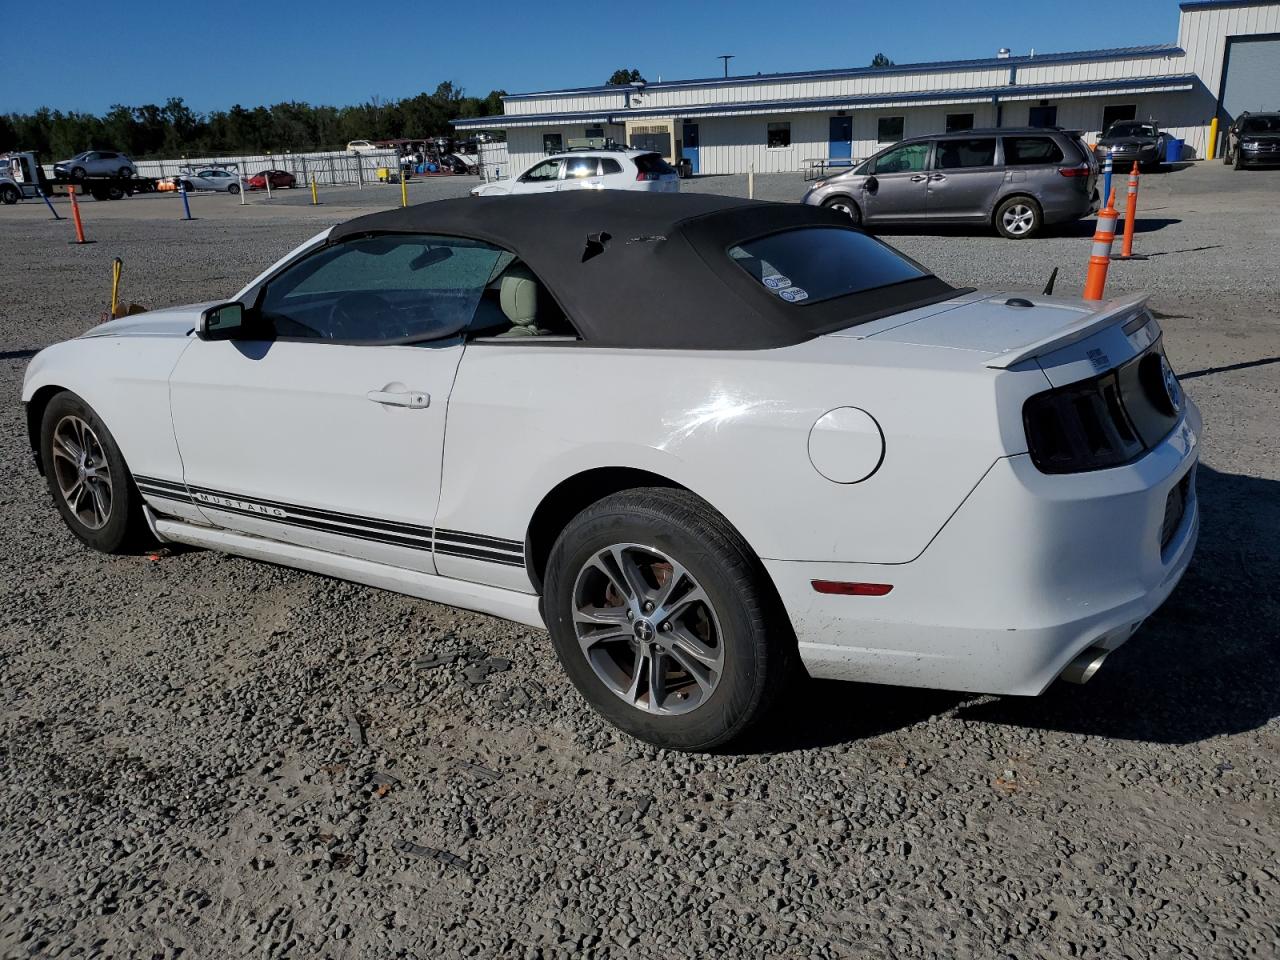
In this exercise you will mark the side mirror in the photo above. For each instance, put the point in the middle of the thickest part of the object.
(871, 184)
(223, 322)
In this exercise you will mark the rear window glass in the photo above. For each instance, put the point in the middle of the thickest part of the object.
(1021, 151)
(653, 163)
(608, 165)
(812, 264)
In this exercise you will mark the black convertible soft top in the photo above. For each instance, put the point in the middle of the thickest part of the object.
(651, 270)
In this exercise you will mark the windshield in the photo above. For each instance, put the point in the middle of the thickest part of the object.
(1260, 125)
(812, 264)
(1130, 129)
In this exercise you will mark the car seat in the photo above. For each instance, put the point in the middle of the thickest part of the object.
(518, 296)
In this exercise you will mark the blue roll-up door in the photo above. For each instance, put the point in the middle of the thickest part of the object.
(1252, 80)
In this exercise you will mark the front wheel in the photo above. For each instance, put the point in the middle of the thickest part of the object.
(9, 194)
(844, 205)
(1018, 218)
(665, 621)
(1239, 161)
(87, 476)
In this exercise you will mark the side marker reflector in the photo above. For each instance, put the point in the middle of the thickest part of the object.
(846, 589)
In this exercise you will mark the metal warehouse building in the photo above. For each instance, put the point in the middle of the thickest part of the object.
(1226, 60)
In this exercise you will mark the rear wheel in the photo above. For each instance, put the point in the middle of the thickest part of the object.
(1018, 218)
(845, 205)
(77, 173)
(233, 189)
(9, 194)
(125, 173)
(88, 478)
(665, 621)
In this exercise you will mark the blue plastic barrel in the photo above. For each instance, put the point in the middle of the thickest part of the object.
(1173, 150)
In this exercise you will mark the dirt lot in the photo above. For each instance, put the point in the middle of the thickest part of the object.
(206, 756)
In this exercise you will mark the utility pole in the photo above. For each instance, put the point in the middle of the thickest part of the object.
(726, 57)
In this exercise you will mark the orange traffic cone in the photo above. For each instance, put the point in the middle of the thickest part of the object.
(1130, 217)
(1100, 257)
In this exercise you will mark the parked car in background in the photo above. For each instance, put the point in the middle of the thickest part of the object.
(95, 163)
(1015, 179)
(362, 146)
(616, 169)
(794, 443)
(1253, 140)
(280, 179)
(212, 178)
(1130, 140)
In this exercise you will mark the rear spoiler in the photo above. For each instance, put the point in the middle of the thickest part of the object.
(1115, 312)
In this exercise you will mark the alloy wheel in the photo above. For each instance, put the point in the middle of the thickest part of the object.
(81, 470)
(1018, 219)
(648, 629)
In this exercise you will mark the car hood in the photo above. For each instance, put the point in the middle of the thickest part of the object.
(169, 322)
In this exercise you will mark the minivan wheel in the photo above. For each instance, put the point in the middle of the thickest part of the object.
(844, 205)
(1018, 218)
(664, 620)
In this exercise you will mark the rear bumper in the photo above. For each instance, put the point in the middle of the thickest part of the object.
(1032, 570)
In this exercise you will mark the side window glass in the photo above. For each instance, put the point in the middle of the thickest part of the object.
(580, 167)
(1024, 151)
(909, 157)
(383, 289)
(609, 165)
(546, 170)
(958, 154)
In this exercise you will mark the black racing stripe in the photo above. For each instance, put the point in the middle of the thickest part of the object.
(481, 540)
(333, 516)
(153, 482)
(165, 492)
(320, 527)
(470, 554)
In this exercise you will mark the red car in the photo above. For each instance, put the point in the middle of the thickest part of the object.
(279, 179)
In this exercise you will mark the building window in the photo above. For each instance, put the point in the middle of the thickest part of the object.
(889, 129)
(959, 121)
(1117, 112)
(552, 143)
(779, 135)
(1043, 116)
(595, 133)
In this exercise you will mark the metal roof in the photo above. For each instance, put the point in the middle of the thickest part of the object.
(1003, 93)
(1194, 5)
(934, 66)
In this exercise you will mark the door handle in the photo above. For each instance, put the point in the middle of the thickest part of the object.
(919, 177)
(937, 176)
(412, 399)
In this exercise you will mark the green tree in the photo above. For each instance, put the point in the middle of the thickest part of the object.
(624, 76)
(880, 60)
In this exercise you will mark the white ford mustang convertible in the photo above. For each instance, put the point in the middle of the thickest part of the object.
(703, 441)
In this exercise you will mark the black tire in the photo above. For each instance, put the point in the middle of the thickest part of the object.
(1018, 218)
(126, 173)
(844, 205)
(756, 645)
(9, 194)
(233, 189)
(124, 527)
(77, 173)
(1239, 161)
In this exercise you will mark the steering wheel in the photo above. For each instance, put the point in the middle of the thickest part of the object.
(354, 315)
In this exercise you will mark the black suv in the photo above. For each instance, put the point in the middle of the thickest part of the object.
(1253, 140)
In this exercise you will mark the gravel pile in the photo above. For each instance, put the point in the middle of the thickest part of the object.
(206, 756)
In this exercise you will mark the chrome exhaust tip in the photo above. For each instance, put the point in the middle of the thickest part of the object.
(1085, 665)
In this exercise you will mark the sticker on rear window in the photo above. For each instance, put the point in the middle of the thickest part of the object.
(776, 281)
(793, 294)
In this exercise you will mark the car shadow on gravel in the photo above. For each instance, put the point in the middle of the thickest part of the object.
(1204, 665)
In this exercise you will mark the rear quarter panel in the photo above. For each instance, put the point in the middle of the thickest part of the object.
(732, 427)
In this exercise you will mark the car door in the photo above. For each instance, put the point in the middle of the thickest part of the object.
(963, 179)
(582, 173)
(542, 177)
(320, 420)
(897, 188)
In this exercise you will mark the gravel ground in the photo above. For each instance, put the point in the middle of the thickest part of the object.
(209, 757)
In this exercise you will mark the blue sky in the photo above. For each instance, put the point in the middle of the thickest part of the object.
(340, 52)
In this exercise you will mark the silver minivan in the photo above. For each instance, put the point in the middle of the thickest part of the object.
(1015, 179)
